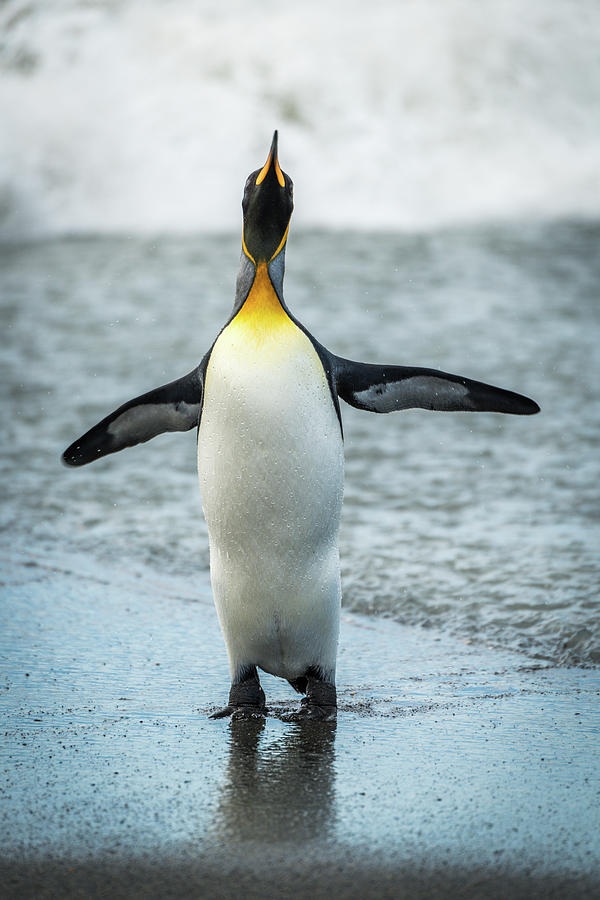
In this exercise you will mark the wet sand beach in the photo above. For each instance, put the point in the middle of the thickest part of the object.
(453, 770)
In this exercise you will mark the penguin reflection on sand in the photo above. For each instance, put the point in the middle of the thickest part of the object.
(278, 789)
(265, 400)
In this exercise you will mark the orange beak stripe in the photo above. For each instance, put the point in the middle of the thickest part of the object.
(263, 172)
(279, 173)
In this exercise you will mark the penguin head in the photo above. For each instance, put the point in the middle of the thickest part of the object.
(267, 207)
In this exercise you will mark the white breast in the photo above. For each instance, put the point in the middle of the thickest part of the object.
(270, 462)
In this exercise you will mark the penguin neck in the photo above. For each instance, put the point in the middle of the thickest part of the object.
(260, 280)
(276, 270)
(262, 311)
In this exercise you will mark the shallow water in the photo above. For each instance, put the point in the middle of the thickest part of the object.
(482, 524)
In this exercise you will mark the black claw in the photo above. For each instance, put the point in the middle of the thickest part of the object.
(249, 712)
(240, 712)
(223, 713)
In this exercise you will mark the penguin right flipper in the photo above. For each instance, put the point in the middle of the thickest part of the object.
(172, 407)
(384, 389)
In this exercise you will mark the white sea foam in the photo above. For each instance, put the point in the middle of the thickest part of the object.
(147, 116)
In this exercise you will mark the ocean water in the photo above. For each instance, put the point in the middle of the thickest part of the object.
(481, 525)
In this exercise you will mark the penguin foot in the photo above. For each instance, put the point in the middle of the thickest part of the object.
(249, 712)
(240, 712)
(320, 703)
(318, 713)
(246, 698)
(222, 713)
(310, 712)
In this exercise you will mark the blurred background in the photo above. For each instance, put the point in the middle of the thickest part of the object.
(446, 160)
(145, 115)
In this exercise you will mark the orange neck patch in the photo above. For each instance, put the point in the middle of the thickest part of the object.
(262, 310)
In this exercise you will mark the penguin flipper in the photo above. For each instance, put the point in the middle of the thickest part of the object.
(172, 407)
(383, 389)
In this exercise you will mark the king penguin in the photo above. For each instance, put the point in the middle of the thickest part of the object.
(265, 401)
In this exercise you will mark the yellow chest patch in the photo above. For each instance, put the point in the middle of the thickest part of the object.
(263, 327)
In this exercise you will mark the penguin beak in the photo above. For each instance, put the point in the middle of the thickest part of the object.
(272, 162)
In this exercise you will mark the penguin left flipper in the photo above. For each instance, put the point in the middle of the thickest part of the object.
(172, 407)
(384, 389)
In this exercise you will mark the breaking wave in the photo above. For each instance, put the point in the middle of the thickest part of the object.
(146, 116)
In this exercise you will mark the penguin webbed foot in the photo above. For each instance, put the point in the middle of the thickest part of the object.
(222, 713)
(240, 712)
(320, 703)
(311, 712)
(246, 698)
